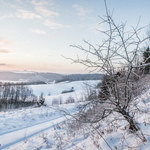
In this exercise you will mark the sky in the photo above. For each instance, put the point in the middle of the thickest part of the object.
(35, 35)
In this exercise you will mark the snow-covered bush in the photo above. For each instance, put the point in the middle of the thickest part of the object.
(70, 100)
(41, 100)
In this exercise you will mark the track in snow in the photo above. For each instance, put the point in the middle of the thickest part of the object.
(11, 138)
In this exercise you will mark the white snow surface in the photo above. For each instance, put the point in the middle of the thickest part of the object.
(20, 124)
(57, 88)
(45, 128)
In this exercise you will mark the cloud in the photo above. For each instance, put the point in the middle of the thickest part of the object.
(38, 13)
(54, 25)
(45, 12)
(3, 41)
(80, 10)
(3, 64)
(25, 14)
(5, 45)
(22, 14)
(7, 16)
(40, 7)
(38, 31)
(40, 3)
(18, 1)
(4, 51)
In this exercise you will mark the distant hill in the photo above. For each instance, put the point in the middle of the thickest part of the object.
(42, 78)
(79, 77)
(29, 77)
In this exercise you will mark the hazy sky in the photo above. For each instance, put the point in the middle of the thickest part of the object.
(34, 34)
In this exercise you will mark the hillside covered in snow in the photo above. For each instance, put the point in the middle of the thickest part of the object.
(56, 125)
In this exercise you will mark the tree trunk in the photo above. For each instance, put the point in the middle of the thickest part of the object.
(132, 124)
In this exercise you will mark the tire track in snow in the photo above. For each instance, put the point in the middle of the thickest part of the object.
(11, 138)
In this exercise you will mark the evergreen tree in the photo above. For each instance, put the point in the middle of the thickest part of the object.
(146, 57)
(41, 100)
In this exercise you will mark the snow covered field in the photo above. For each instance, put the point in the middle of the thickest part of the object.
(19, 125)
(53, 91)
(47, 127)
(56, 89)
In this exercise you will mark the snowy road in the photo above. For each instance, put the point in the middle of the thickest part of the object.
(14, 137)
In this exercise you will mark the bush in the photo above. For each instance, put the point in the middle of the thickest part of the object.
(41, 100)
(70, 100)
(104, 93)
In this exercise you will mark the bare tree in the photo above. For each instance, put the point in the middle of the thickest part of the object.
(116, 58)
(15, 96)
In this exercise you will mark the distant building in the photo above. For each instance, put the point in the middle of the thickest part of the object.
(68, 91)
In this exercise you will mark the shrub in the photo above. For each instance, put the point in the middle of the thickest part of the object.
(41, 100)
(70, 100)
